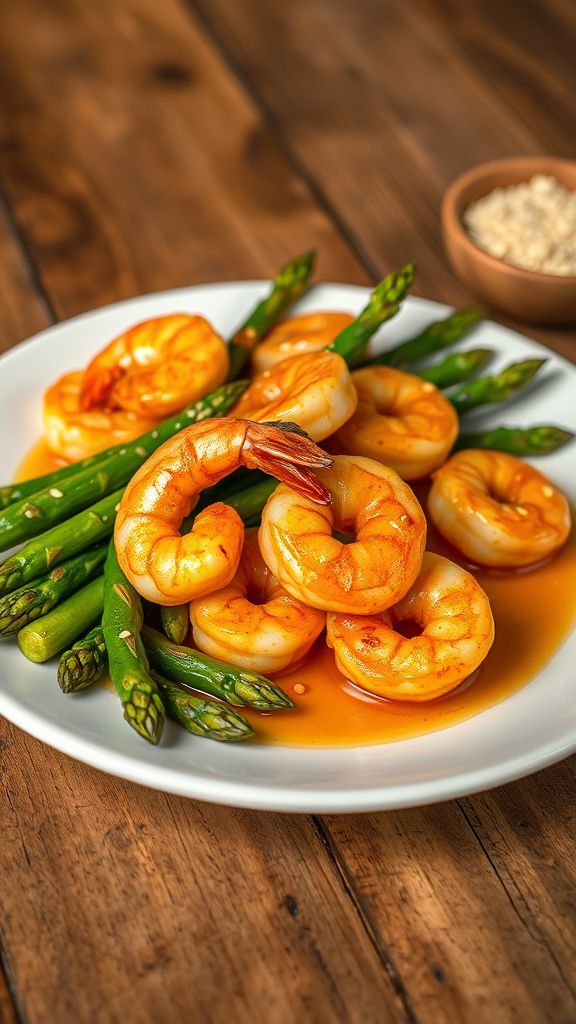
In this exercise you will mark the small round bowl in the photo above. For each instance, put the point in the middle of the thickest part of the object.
(524, 294)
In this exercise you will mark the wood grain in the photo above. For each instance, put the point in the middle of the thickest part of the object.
(144, 907)
(146, 146)
(130, 154)
(401, 111)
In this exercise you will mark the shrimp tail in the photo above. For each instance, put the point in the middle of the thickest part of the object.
(285, 451)
(96, 387)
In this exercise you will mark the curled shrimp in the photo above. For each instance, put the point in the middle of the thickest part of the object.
(498, 510)
(253, 622)
(157, 367)
(401, 420)
(296, 335)
(74, 434)
(169, 568)
(365, 576)
(457, 631)
(315, 391)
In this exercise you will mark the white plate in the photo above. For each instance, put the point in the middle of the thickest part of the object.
(533, 728)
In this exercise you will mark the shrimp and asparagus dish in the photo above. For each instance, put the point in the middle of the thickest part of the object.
(287, 535)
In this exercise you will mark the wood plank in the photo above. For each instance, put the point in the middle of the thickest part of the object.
(528, 60)
(129, 155)
(477, 911)
(7, 1008)
(400, 112)
(120, 904)
(140, 907)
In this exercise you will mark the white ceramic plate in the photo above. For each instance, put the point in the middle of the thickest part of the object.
(533, 728)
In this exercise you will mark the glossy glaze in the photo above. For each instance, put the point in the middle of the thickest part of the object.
(533, 612)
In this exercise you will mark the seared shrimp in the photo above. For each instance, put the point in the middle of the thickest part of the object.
(169, 568)
(401, 420)
(296, 335)
(315, 391)
(365, 576)
(457, 631)
(253, 622)
(498, 510)
(157, 367)
(74, 434)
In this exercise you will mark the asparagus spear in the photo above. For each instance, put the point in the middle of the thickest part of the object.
(175, 622)
(457, 367)
(84, 662)
(497, 388)
(248, 502)
(232, 685)
(385, 301)
(520, 441)
(202, 717)
(31, 602)
(288, 285)
(437, 336)
(53, 502)
(47, 636)
(217, 403)
(61, 542)
(121, 623)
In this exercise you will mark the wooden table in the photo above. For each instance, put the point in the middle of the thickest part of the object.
(146, 145)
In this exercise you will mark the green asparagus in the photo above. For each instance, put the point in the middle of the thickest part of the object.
(175, 621)
(384, 303)
(202, 717)
(84, 662)
(217, 403)
(497, 388)
(58, 544)
(52, 504)
(288, 285)
(121, 623)
(236, 686)
(437, 336)
(520, 441)
(39, 597)
(457, 367)
(42, 639)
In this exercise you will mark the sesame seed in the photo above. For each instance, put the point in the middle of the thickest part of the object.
(122, 451)
(117, 507)
(124, 634)
(547, 491)
(140, 451)
(55, 493)
(30, 513)
(154, 433)
(299, 688)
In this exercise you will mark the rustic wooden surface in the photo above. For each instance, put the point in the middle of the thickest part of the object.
(146, 145)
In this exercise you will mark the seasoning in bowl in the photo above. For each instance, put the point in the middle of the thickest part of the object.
(531, 225)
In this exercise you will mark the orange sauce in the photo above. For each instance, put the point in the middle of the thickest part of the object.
(37, 461)
(533, 612)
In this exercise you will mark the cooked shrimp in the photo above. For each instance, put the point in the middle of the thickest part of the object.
(457, 631)
(365, 576)
(169, 568)
(157, 367)
(296, 335)
(401, 420)
(314, 390)
(74, 434)
(498, 510)
(253, 622)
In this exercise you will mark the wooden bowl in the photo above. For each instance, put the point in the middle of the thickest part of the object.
(524, 294)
